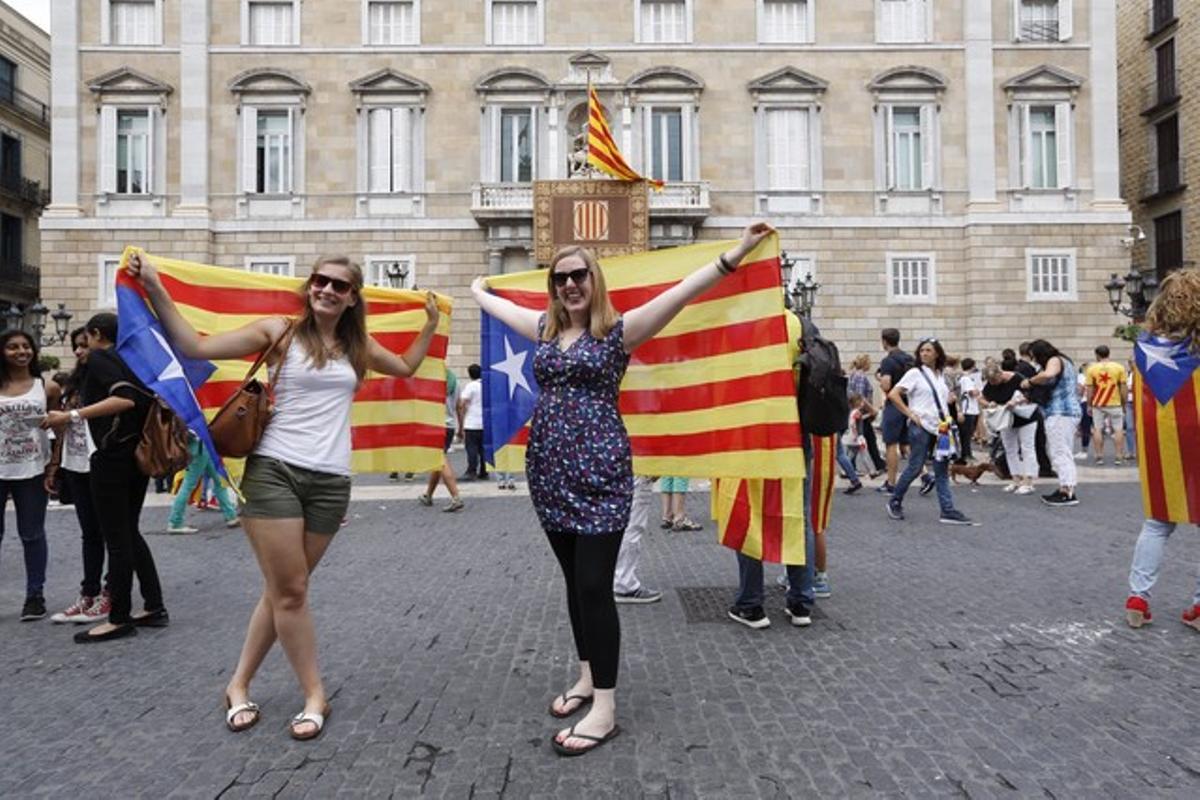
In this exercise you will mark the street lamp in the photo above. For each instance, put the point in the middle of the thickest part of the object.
(1140, 289)
(397, 274)
(14, 317)
(798, 296)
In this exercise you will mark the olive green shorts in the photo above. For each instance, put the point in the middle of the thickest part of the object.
(275, 490)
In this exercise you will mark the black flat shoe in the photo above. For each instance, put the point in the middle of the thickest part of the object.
(119, 632)
(153, 619)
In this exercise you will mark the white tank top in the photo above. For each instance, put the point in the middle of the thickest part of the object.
(311, 424)
(24, 448)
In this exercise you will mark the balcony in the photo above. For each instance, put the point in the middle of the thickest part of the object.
(495, 202)
(1164, 179)
(19, 281)
(27, 106)
(1160, 16)
(1160, 92)
(24, 190)
(1039, 31)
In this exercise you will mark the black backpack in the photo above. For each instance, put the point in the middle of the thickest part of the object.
(821, 397)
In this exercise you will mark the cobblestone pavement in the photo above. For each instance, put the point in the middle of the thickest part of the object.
(957, 662)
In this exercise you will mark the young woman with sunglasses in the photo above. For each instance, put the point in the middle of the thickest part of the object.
(578, 458)
(297, 481)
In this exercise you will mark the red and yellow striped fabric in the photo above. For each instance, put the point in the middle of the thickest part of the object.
(1168, 445)
(603, 153)
(712, 394)
(824, 470)
(763, 519)
(396, 424)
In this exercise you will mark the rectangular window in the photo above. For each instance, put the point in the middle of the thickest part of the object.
(910, 279)
(664, 21)
(1051, 275)
(516, 145)
(133, 151)
(784, 21)
(10, 162)
(1168, 243)
(8, 79)
(11, 252)
(133, 22)
(1038, 21)
(1166, 140)
(666, 144)
(1043, 141)
(391, 272)
(389, 145)
(1164, 72)
(787, 148)
(907, 149)
(106, 274)
(392, 22)
(274, 152)
(514, 22)
(903, 20)
(272, 265)
(271, 23)
(1162, 13)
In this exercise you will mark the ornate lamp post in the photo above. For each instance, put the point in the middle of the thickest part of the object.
(397, 274)
(799, 296)
(1141, 290)
(15, 317)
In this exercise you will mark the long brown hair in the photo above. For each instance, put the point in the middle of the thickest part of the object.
(351, 328)
(601, 313)
(1175, 312)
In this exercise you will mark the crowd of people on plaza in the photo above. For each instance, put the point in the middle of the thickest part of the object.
(1018, 411)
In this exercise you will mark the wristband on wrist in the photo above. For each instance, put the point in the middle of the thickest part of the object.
(724, 266)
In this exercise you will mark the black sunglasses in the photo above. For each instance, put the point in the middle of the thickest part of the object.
(320, 281)
(577, 276)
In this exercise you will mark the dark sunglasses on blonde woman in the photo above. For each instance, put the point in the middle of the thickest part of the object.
(577, 276)
(320, 281)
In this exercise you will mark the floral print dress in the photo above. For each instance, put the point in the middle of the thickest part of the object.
(578, 458)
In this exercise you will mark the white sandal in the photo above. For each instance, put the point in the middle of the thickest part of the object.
(232, 712)
(310, 717)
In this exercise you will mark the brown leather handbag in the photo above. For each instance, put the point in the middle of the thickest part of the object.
(162, 448)
(241, 420)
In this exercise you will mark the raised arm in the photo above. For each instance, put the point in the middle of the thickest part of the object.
(522, 320)
(246, 340)
(403, 366)
(645, 321)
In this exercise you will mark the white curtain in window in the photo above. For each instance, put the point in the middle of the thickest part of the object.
(132, 22)
(664, 21)
(664, 142)
(784, 21)
(514, 22)
(390, 150)
(906, 152)
(910, 277)
(271, 153)
(134, 151)
(903, 20)
(516, 145)
(788, 150)
(271, 23)
(1050, 275)
(1043, 147)
(392, 22)
(268, 267)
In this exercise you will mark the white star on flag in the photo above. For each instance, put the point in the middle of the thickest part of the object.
(1161, 354)
(512, 367)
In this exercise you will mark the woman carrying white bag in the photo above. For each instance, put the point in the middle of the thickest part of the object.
(1015, 419)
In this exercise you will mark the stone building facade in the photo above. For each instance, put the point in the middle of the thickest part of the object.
(1154, 38)
(945, 166)
(24, 153)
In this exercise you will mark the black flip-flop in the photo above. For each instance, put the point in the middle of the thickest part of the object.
(566, 698)
(563, 750)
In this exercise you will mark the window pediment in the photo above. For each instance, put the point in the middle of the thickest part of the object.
(268, 80)
(388, 84)
(666, 79)
(513, 80)
(128, 85)
(1043, 81)
(589, 64)
(908, 79)
(787, 82)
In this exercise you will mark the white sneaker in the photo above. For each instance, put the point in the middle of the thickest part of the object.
(74, 612)
(182, 529)
(233, 523)
(1012, 487)
(1025, 490)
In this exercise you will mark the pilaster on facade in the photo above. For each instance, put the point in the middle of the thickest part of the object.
(64, 103)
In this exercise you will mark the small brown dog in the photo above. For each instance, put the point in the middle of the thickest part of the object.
(972, 472)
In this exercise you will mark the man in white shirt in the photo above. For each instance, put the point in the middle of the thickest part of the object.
(470, 407)
(970, 388)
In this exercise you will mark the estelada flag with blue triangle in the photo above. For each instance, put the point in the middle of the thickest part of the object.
(1166, 401)
(710, 395)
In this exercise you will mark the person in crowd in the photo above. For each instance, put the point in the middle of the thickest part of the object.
(578, 459)
(1130, 422)
(1061, 409)
(892, 368)
(1008, 360)
(1174, 316)
(470, 407)
(1085, 411)
(200, 467)
(970, 388)
(297, 481)
(674, 517)
(627, 588)
(1003, 388)
(850, 443)
(25, 457)
(70, 466)
(446, 473)
(858, 381)
(927, 411)
(1105, 381)
(114, 404)
(1026, 368)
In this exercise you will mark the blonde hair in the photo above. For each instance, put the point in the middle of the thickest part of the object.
(602, 316)
(861, 362)
(1175, 312)
(351, 330)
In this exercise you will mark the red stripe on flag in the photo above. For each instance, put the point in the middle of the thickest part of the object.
(707, 395)
(738, 526)
(815, 481)
(230, 300)
(1187, 418)
(1148, 423)
(399, 341)
(711, 341)
(772, 521)
(406, 434)
(764, 436)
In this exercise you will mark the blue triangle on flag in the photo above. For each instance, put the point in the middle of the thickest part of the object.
(1166, 365)
(509, 389)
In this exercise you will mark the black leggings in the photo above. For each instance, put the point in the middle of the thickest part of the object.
(119, 489)
(588, 562)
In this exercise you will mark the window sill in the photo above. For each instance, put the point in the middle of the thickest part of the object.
(130, 205)
(896, 201)
(1051, 298)
(790, 202)
(270, 206)
(1043, 199)
(1167, 26)
(391, 205)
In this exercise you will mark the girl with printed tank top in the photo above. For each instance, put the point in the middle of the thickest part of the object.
(1062, 416)
(297, 481)
(71, 463)
(578, 459)
(24, 454)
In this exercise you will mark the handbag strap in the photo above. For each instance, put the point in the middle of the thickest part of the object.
(266, 353)
(937, 401)
(287, 335)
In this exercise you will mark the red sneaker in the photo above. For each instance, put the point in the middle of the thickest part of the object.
(99, 610)
(1137, 612)
(1191, 617)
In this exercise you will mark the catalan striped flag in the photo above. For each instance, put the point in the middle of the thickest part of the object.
(761, 518)
(1166, 400)
(396, 424)
(712, 394)
(824, 470)
(603, 153)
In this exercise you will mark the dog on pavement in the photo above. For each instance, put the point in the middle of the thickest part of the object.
(972, 472)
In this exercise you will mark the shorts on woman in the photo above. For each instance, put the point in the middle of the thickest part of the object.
(277, 490)
(673, 485)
